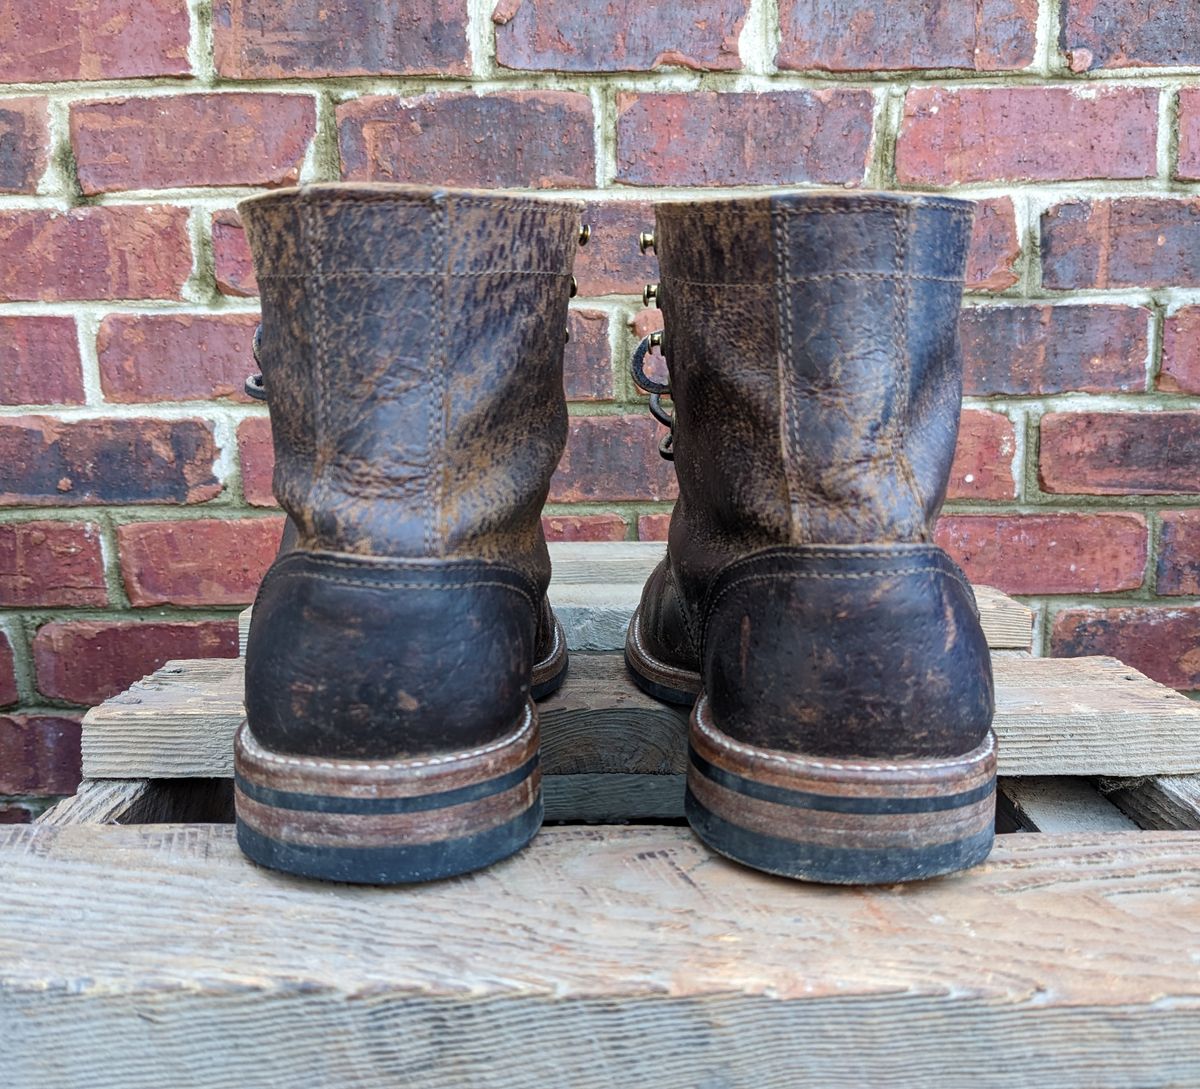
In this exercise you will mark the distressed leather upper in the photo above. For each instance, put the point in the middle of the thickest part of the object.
(412, 354)
(816, 337)
(412, 345)
(812, 345)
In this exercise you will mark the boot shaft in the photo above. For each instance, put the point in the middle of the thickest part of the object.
(412, 352)
(817, 335)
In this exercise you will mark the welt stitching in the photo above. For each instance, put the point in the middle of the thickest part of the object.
(439, 364)
(267, 756)
(314, 239)
(979, 754)
(516, 203)
(816, 278)
(391, 273)
(341, 580)
(822, 576)
(787, 425)
(845, 206)
(903, 233)
(931, 551)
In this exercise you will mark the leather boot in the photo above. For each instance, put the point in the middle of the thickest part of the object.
(842, 685)
(411, 350)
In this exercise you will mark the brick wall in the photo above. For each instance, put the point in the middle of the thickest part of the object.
(135, 506)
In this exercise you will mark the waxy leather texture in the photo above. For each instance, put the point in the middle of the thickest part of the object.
(412, 357)
(816, 378)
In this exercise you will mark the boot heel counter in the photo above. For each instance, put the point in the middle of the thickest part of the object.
(361, 659)
(848, 652)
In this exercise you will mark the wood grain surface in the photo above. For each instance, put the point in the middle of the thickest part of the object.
(143, 801)
(1169, 801)
(138, 957)
(1054, 716)
(1055, 803)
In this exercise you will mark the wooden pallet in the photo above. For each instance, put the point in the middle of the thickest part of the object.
(612, 753)
(612, 955)
(143, 957)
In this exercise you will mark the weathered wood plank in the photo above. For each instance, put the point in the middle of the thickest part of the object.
(1048, 803)
(1055, 716)
(1168, 801)
(143, 801)
(596, 587)
(596, 958)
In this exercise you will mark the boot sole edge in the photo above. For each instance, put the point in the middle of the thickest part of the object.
(858, 822)
(388, 822)
(657, 679)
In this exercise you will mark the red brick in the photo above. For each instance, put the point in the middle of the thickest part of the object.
(114, 252)
(1129, 33)
(1048, 553)
(39, 754)
(92, 39)
(613, 458)
(8, 673)
(881, 35)
(1181, 352)
(257, 458)
(645, 321)
(1162, 643)
(86, 661)
(653, 527)
(46, 462)
(290, 39)
(530, 139)
(39, 361)
(1130, 242)
(24, 137)
(14, 814)
(995, 246)
(983, 461)
(772, 138)
(51, 563)
(587, 362)
(175, 141)
(599, 36)
(584, 527)
(197, 562)
(235, 264)
(1189, 134)
(1115, 453)
(175, 357)
(951, 136)
(611, 263)
(1026, 350)
(1178, 569)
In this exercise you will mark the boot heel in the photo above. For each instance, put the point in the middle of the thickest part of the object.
(384, 822)
(839, 821)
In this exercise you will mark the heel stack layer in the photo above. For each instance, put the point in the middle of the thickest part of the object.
(388, 821)
(839, 821)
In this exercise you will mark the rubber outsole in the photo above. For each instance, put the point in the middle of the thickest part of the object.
(388, 821)
(853, 821)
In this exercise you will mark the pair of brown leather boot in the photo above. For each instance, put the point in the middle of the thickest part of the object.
(412, 357)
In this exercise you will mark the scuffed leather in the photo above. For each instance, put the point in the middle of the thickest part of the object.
(411, 350)
(868, 652)
(811, 341)
(389, 658)
(672, 633)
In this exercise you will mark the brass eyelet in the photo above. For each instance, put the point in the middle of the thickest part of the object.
(650, 295)
(646, 241)
(585, 234)
(574, 287)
